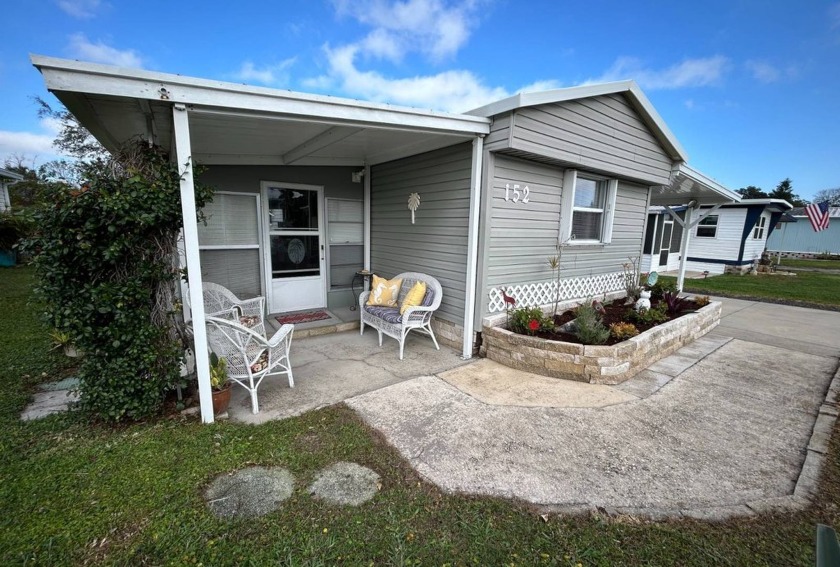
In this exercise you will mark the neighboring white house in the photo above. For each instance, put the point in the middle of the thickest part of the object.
(312, 188)
(7, 178)
(730, 236)
(800, 238)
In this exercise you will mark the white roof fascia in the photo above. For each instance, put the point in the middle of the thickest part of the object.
(781, 202)
(10, 175)
(526, 99)
(94, 78)
(702, 179)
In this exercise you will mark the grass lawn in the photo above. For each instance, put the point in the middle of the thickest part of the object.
(813, 289)
(805, 263)
(74, 492)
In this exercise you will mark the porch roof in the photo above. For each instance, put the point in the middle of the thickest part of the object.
(688, 184)
(239, 124)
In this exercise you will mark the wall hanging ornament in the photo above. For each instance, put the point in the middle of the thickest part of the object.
(413, 204)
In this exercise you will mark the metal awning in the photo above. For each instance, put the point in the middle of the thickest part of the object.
(687, 185)
(241, 124)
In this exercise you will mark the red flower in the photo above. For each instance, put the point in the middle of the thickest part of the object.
(533, 324)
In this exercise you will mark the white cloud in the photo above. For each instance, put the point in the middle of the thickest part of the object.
(454, 91)
(30, 144)
(436, 28)
(763, 71)
(81, 9)
(276, 75)
(81, 48)
(701, 72)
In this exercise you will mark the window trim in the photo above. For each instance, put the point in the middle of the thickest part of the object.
(760, 227)
(700, 224)
(567, 208)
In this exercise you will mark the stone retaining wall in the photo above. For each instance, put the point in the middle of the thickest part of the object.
(597, 364)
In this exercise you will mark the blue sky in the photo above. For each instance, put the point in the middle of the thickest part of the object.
(751, 88)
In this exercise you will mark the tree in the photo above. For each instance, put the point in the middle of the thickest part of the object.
(26, 193)
(784, 190)
(73, 139)
(752, 192)
(830, 195)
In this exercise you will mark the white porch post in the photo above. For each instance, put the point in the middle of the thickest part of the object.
(366, 206)
(472, 246)
(183, 159)
(686, 237)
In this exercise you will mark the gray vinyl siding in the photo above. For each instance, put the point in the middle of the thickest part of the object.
(603, 134)
(337, 183)
(499, 136)
(437, 243)
(521, 237)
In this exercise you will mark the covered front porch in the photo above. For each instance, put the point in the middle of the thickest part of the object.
(292, 220)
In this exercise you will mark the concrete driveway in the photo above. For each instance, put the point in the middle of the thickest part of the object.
(733, 424)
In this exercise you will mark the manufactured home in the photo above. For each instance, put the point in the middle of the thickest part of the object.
(800, 239)
(311, 189)
(727, 237)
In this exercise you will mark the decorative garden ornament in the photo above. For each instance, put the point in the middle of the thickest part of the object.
(643, 304)
(413, 204)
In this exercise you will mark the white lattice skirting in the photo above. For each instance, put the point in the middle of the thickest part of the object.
(542, 293)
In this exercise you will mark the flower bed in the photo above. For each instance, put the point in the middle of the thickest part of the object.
(595, 364)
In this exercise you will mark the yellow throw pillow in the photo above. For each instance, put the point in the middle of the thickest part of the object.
(384, 292)
(414, 297)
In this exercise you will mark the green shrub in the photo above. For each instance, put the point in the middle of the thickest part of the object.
(13, 228)
(652, 316)
(588, 326)
(529, 321)
(104, 255)
(658, 290)
(623, 331)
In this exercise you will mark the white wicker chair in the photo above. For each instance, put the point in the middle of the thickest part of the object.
(414, 319)
(218, 300)
(250, 357)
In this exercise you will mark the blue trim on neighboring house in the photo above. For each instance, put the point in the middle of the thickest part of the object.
(718, 261)
(753, 212)
(774, 219)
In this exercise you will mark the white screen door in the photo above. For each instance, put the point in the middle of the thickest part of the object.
(295, 246)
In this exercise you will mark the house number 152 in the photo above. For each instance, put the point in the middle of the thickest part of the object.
(515, 189)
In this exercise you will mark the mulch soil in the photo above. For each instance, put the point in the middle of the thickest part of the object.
(615, 312)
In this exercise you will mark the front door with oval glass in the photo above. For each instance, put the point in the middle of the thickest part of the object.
(295, 251)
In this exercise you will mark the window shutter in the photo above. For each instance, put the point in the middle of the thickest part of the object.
(609, 212)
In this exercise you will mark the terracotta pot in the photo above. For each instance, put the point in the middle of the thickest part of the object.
(221, 399)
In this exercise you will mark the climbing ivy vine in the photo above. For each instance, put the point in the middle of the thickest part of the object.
(106, 259)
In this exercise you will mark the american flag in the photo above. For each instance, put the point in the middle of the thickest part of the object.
(818, 215)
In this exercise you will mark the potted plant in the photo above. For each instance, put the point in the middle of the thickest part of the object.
(219, 383)
(63, 340)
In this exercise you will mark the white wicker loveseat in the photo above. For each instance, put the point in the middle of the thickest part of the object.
(388, 320)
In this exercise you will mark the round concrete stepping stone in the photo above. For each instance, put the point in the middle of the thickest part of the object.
(249, 492)
(345, 483)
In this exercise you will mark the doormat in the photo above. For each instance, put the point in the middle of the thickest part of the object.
(304, 317)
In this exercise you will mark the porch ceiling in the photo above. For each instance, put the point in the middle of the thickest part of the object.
(240, 124)
(688, 184)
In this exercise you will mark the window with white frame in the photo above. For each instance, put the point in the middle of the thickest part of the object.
(758, 230)
(345, 233)
(707, 227)
(229, 243)
(587, 208)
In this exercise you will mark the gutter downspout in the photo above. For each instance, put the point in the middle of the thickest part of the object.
(183, 159)
(472, 246)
